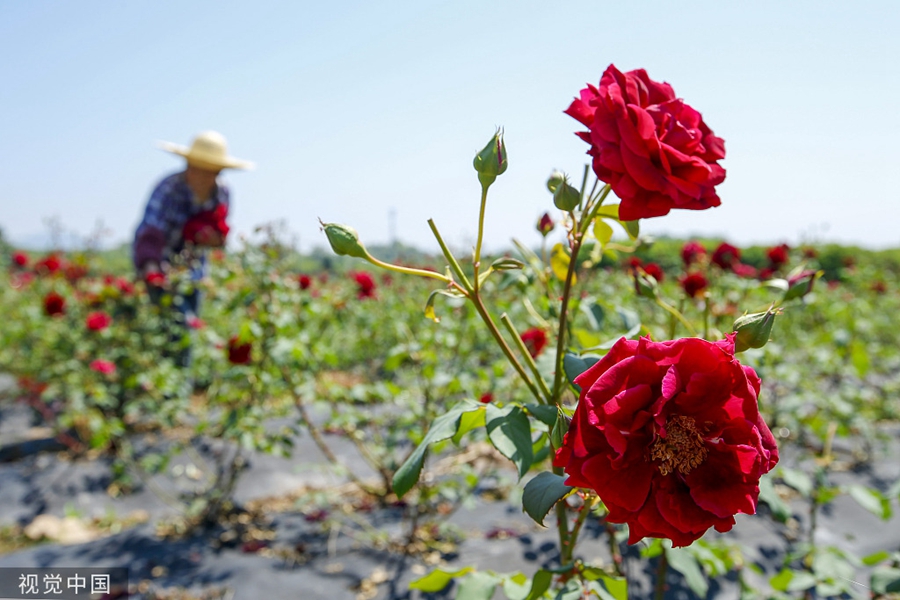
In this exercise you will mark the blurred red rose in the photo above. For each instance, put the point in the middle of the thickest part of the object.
(125, 286)
(545, 224)
(634, 262)
(97, 321)
(725, 256)
(670, 437)
(20, 259)
(195, 322)
(693, 284)
(48, 265)
(691, 252)
(766, 273)
(103, 366)
(652, 148)
(879, 286)
(654, 271)
(155, 279)
(207, 228)
(486, 398)
(305, 281)
(54, 304)
(239, 352)
(745, 271)
(535, 339)
(365, 285)
(778, 255)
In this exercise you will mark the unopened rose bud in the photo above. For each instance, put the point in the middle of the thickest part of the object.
(565, 197)
(344, 240)
(645, 284)
(556, 178)
(491, 161)
(753, 330)
(545, 224)
(801, 284)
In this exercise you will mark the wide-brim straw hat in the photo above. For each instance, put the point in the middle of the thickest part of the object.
(208, 150)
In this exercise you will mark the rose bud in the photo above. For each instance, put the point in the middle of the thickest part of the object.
(800, 284)
(752, 331)
(545, 224)
(645, 285)
(556, 178)
(492, 160)
(344, 240)
(566, 197)
(654, 271)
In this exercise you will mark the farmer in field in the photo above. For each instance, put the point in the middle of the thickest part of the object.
(186, 214)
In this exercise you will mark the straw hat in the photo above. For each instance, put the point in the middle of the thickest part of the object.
(209, 150)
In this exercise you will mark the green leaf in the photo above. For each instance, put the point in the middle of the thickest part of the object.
(544, 413)
(516, 586)
(613, 588)
(859, 356)
(885, 580)
(602, 231)
(633, 228)
(873, 559)
(444, 427)
(507, 264)
(510, 433)
(559, 263)
(429, 304)
(541, 493)
(609, 210)
(540, 583)
(798, 480)
(467, 422)
(574, 365)
(686, 563)
(871, 500)
(437, 580)
(780, 510)
(479, 585)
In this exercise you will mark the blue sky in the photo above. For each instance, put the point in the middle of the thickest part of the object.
(354, 109)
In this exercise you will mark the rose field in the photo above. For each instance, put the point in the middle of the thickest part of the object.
(590, 413)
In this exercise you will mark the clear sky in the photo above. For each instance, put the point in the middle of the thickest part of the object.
(354, 109)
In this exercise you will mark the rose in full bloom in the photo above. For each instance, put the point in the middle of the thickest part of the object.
(693, 284)
(98, 321)
(691, 252)
(54, 304)
(670, 437)
(654, 150)
(239, 352)
(535, 339)
(365, 285)
(725, 256)
(105, 367)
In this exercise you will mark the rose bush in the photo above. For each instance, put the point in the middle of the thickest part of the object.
(670, 437)
(654, 150)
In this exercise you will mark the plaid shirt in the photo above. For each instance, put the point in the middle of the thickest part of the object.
(159, 235)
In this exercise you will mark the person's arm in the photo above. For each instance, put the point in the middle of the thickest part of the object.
(162, 216)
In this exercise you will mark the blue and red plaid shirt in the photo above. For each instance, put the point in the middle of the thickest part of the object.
(159, 235)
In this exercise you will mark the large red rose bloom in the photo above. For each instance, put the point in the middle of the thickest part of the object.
(670, 437)
(654, 150)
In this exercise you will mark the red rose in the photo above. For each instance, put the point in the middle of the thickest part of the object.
(365, 285)
(239, 352)
(778, 255)
(155, 279)
(670, 437)
(693, 284)
(535, 339)
(725, 256)
(195, 322)
(49, 265)
(20, 259)
(545, 225)
(207, 228)
(691, 252)
(98, 321)
(634, 262)
(486, 398)
(654, 271)
(105, 367)
(652, 148)
(745, 271)
(54, 304)
(125, 286)
(305, 281)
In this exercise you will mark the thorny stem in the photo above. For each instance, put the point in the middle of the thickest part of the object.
(573, 536)
(614, 550)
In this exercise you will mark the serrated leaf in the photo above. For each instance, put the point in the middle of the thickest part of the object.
(443, 427)
(871, 500)
(510, 433)
(478, 585)
(686, 563)
(541, 493)
(437, 580)
(574, 365)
